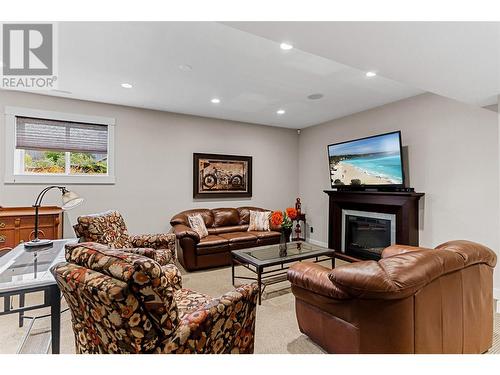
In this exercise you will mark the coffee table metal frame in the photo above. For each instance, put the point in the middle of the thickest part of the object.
(268, 277)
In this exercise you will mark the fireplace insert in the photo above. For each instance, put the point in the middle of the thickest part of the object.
(366, 234)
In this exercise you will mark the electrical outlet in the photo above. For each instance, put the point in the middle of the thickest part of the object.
(312, 230)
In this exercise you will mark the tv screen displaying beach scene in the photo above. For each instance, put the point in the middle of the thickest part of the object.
(369, 161)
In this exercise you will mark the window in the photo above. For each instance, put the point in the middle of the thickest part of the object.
(46, 147)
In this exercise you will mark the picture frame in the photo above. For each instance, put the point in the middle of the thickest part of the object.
(221, 176)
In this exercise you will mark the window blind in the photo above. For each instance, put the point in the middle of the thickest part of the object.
(54, 135)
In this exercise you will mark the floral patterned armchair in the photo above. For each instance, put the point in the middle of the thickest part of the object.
(123, 302)
(108, 228)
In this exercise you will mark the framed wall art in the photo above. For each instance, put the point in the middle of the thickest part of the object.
(222, 176)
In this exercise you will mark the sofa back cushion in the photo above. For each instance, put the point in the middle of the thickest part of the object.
(107, 228)
(217, 217)
(244, 213)
(224, 217)
(400, 276)
(182, 217)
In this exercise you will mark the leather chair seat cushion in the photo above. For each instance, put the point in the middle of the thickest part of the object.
(239, 237)
(264, 234)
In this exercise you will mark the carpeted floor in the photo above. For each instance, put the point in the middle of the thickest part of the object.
(276, 328)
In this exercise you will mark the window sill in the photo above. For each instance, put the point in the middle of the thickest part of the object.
(47, 179)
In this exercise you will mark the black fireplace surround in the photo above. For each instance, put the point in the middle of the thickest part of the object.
(368, 234)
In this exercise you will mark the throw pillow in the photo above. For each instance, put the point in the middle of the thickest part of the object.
(259, 220)
(198, 225)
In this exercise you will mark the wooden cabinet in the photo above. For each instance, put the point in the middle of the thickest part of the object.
(17, 224)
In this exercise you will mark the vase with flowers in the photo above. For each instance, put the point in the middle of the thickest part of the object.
(284, 219)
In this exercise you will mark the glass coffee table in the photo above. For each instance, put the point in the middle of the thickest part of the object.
(270, 264)
(24, 271)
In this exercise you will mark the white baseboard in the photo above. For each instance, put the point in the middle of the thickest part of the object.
(317, 243)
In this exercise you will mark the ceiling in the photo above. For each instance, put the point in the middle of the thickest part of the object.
(460, 60)
(251, 75)
(241, 63)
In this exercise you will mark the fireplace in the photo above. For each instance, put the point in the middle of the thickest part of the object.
(365, 234)
(375, 219)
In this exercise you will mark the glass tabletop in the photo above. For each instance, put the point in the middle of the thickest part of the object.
(24, 267)
(271, 254)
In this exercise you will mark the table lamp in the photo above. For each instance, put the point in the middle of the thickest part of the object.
(69, 199)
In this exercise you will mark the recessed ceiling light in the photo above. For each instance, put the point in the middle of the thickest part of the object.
(127, 85)
(315, 96)
(280, 111)
(215, 100)
(286, 46)
(371, 74)
(185, 67)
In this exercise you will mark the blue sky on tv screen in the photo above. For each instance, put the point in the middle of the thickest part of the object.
(381, 143)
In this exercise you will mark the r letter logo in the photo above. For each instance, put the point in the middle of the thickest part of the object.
(28, 56)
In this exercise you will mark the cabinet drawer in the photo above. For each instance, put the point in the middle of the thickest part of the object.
(45, 233)
(6, 222)
(29, 221)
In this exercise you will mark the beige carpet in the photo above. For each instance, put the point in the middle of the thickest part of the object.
(276, 327)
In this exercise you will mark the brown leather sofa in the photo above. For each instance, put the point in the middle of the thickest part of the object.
(413, 300)
(227, 230)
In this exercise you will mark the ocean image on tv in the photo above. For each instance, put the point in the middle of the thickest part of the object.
(371, 161)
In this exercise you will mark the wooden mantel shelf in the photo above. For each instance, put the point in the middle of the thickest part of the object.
(375, 193)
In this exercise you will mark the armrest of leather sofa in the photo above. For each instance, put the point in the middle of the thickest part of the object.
(314, 277)
(400, 249)
(183, 231)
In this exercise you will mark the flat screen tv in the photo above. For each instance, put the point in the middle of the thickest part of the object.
(367, 162)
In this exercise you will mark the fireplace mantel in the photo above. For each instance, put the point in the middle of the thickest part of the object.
(403, 204)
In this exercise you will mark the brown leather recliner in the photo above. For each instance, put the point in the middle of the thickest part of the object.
(227, 230)
(413, 300)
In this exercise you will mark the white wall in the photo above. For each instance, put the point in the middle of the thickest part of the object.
(154, 158)
(453, 151)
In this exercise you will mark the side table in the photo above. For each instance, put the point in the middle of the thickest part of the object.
(298, 234)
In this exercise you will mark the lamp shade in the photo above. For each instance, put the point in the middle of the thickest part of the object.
(70, 200)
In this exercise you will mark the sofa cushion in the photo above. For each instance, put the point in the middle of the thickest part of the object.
(228, 229)
(107, 228)
(259, 220)
(239, 237)
(244, 213)
(264, 234)
(212, 240)
(197, 224)
(182, 217)
(225, 217)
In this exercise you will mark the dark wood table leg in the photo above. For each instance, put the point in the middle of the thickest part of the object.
(333, 262)
(21, 304)
(55, 317)
(259, 283)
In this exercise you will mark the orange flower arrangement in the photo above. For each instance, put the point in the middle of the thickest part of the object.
(291, 213)
(277, 218)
